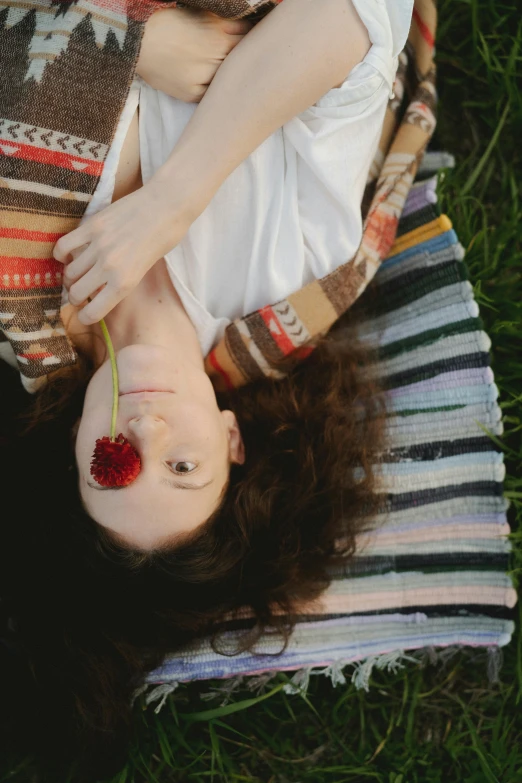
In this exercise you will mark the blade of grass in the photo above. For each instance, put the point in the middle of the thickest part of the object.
(475, 174)
(230, 709)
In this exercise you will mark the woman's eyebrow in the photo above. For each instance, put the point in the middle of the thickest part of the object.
(101, 489)
(184, 485)
(169, 482)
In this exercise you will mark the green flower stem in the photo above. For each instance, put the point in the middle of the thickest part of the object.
(114, 368)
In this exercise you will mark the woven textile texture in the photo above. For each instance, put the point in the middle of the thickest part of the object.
(234, 9)
(65, 71)
(433, 572)
(53, 143)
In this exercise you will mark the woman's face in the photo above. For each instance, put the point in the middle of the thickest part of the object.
(168, 411)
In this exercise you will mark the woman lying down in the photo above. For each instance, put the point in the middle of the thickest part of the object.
(220, 207)
(247, 197)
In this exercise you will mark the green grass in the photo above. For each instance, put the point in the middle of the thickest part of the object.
(437, 724)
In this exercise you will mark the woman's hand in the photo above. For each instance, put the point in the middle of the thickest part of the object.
(182, 49)
(108, 254)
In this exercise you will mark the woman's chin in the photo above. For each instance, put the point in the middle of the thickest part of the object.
(146, 367)
(143, 355)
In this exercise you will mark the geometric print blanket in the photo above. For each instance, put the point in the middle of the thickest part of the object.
(433, 571)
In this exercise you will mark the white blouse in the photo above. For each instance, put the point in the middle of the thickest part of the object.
(291, 212)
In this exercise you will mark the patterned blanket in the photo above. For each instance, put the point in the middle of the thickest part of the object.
(433, 571)
(233, 9)
(54, 139)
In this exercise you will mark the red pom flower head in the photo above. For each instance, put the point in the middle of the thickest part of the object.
(115, 462)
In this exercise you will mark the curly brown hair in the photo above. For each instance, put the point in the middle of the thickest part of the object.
(104, 614)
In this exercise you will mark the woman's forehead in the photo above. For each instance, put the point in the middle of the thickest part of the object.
(145, 515)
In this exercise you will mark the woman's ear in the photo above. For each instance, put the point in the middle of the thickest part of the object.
(236, 447)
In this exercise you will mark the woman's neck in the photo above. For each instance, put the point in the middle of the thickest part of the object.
(152, 314)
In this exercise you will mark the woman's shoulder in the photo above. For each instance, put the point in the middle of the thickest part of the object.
(388, 22)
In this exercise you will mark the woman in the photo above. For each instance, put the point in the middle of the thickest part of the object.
(287, 214)
(269, 469)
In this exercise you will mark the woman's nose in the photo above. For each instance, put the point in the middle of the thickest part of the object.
(148, 430)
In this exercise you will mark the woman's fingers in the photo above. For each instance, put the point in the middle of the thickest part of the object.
(100, 305)
(86, 286)
(236, 26)
(66, 245)
(232, 42)
(236, 31)
(231, 26)
(83, 261)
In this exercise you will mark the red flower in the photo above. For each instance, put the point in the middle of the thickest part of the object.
(115, 463)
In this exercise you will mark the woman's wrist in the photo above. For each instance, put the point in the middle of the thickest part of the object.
(172, 205)
(182, 188)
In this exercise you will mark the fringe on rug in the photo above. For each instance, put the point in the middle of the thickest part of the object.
(360, 676)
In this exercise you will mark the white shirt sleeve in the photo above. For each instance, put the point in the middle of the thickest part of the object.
(332, 144)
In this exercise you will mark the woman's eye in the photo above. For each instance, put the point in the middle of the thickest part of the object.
(182, 467)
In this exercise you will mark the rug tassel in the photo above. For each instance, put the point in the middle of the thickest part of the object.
(392, 661)
(225, 689)
(495, 661)
(299, 683)
(161, 693)
(360, 678)
(335, 673)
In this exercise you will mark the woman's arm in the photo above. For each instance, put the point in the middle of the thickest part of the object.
(298, 52)
(182, 49)
(281, 67)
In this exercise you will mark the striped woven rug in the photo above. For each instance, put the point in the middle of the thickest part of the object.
(433, 573)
